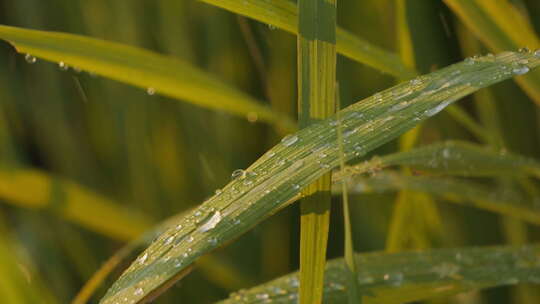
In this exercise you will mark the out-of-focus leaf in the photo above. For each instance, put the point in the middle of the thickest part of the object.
(507, 201)
(411, 276)
(277, 178)
(153, 72)
(36, 190)
(283, 14)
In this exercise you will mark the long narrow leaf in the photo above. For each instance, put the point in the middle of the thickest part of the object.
(508, 202)
(71, 201)
(501, 27)
(283, 14)
(453, 158)
(411, 276)
(162, 74)
(277, 178)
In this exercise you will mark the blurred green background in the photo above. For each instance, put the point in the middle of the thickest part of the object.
(156, 157)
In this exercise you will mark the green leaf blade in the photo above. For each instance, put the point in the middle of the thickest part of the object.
(165, 75)
(276, 179)
(412, 276)
(283, 14)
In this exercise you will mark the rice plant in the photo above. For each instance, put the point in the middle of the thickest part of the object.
(253, 151)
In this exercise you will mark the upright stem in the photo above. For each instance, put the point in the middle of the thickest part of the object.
(316, 93)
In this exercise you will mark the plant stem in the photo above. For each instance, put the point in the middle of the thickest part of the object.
(316, 87)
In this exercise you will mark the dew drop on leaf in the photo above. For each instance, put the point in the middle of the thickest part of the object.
(238, 173)
(521, 70)
(211, 222)
(289, 140)
(30, 59)
(63, 66)
(143, 258)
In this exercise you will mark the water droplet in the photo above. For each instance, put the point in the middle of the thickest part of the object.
(190, 239)
(437, 109)
(537, 53)
(289, 140)
(446, 153)
(271, 27)
(169, 240)
(238, 173)
(446, 270)
(30, 59)
(524, 50)
(218, 191)
(520, 70)
(211, 222)
(399, 106)
(138, 292)
(143, 258)
(63, 66)
(262, 296)
(150, 91)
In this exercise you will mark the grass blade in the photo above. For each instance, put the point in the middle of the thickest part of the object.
(508, 202)
(283, 14)
(353, 289)
(316, 86)
(412, 276)
(276, 179)
(501, 27)
(454, 158)
(72, 202)
(227, 278)
(162, 74)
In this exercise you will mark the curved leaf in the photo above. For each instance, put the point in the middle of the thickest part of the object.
(506, 201)
(166, 75)
(411, 276)
(277, 178)
(283, 14)
(453, 158)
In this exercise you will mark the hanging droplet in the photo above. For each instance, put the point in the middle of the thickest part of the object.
(138, 292)
(271, 27)
(437, 109)
(537, 53)
(289, 140)
(63, 66)
(521, 70)
(150, 91)
(30, 59)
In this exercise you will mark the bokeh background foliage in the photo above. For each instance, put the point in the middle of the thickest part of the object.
(88, 164)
